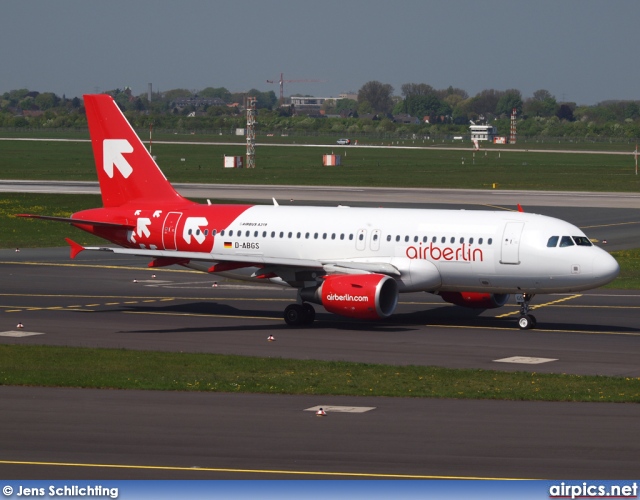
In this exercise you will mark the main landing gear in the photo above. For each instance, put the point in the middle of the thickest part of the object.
(299, 314)
(527, 321)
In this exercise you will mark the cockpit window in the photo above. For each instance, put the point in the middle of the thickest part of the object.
(553, 241)
(566, 241)
(582, 241)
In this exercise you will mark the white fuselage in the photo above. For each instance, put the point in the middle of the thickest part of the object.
(434, 250)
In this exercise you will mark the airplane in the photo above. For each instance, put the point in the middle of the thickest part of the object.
(353, 261)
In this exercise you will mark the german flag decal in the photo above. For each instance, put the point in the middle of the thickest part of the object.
(228, 244)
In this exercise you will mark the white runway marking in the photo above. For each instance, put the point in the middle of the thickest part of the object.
(342, 409)
(524, 360)
(16, 333)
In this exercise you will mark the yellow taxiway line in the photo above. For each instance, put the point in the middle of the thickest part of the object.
(257, 471)
(538, 306)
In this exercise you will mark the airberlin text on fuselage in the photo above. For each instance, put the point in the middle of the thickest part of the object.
(433, 252)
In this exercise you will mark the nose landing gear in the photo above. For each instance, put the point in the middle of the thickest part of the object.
(526, 321)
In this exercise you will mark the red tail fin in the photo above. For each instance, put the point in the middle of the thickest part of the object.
(126, 170)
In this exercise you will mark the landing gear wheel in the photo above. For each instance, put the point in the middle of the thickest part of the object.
(299, 314)
(527, 322)
(294, 315)
(309, 313)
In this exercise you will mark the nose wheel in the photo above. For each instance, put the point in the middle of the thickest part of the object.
(526, 321)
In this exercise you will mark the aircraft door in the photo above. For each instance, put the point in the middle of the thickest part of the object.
(511, 243)
(361, 239)
(169, 232)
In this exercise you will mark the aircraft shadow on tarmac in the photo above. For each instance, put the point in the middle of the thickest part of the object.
(445, 316)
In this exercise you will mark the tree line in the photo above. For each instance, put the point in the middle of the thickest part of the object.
(436, 112)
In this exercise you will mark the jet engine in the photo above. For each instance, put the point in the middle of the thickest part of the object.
(475, 300)
(363, 296)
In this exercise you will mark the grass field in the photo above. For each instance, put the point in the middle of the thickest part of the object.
(360, 166)
(123, 369)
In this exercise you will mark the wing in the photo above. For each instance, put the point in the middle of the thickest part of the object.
(289, 270)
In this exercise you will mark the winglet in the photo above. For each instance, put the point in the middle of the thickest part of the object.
(520, 208)
(76, 248)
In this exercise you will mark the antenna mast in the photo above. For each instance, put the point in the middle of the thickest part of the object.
(251, 132)
(512, 139)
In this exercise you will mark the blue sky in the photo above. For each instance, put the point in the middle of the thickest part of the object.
(580, 50)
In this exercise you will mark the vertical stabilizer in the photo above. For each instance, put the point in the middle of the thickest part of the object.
(126, 170)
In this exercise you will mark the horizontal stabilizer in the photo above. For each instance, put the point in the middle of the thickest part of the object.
(79, 221)
(76, 248)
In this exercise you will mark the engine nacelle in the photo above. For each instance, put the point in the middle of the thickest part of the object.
(363, 296)
(475, 300)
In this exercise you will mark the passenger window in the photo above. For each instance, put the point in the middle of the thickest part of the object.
(273, 234)
(231, 232)
(398, 237)
(480, 241)
(342, 236)
(298, 235)
(214, 232)
(566, 241)
(333, 236)
(264, 234)
(350, 237)
(324, 236)
(255, 234)
(406, 239)
(425, 239)
(470, 241)
(306, 235)
(222, 233)
(553, 241)
(582, 241)
(443, 240)
(461, 240)
(375, 237)
(281, 234)
(415, 239)
(315, 236)
(290, 234)
(489, 241)
(361, 237)
(389, 237)
(247, 234)
(453, 240)
(434, 239)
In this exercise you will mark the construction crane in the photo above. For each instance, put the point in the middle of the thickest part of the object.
(282, 82)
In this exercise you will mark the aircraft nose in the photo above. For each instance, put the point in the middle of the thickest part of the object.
(605, 268)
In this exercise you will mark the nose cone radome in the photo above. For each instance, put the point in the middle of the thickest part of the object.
(605, 268)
